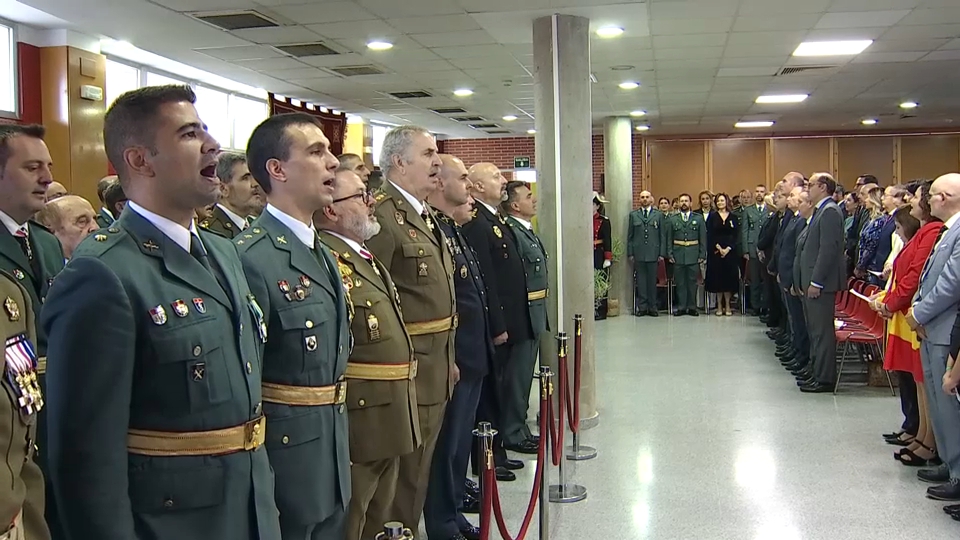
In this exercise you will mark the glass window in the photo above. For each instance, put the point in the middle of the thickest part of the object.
(379, 133)
(525, 175)
(120, 78)
(245, 114)
(214, 109)
(155, 79)
(8, 75)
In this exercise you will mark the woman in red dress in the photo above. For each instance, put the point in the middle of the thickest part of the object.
(919, 231)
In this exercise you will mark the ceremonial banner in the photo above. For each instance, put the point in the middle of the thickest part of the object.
(334, 125)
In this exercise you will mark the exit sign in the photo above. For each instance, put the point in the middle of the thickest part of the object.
(521, 162)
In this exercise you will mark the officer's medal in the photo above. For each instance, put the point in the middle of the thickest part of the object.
(21, 373)
(257, 317)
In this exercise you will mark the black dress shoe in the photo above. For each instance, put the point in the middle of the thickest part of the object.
(808, 381)
(471, 533)
(693, 312)
(511, 464)
(945, 492)
(525, 447)
(653, 313)
(952, 508)
(471, 489)
(679, 312)
(504, 475)
(470, 505)
(640, 314)
(816, 388)
(934, 475)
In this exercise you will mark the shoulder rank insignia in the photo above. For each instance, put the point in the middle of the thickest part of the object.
(256, 230)
(159, 315)
(12, 309)
(379, 195)
(17, 273)
(281, 240)
(205, 223)
(113, 230)
(100, 237)
(398, 215)
(496, 231)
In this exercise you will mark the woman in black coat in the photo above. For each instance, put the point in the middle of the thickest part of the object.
(723, 268)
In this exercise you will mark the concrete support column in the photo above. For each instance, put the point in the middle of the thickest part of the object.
(618, 175)
(561, 53)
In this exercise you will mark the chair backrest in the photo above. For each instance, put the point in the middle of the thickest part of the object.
(661, 273)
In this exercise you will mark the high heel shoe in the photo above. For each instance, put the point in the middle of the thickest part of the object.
(910, 459)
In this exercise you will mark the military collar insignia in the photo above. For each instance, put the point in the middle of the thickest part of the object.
(17, 273)
(281, 240)
(151, 245)
(496, 231)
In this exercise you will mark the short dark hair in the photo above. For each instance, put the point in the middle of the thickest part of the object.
(913, 185)
(864, 179)
(127, 122)
(687, 195)
(103, 184)
(909, 223)
(345, 159)
(112, 195)
(10, 131)
(717, 198)
(225, 164)
(661, 199)
(840, 190)
(270, 140)
(512, 187)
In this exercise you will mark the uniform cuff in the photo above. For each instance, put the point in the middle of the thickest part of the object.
(817, 285)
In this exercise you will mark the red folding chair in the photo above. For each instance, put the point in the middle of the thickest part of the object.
(872, 336)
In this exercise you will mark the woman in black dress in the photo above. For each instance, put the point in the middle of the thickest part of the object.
(723, 269)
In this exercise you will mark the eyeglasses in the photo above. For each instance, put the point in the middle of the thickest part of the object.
(365, 196)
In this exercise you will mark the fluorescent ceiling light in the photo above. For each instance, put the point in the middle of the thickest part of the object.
(908, 105)
(311, 107)
(509, 118)
(629, 85)
(531, 131)
(642, 128)
(296, 102)
(278, 97)
(463, 92)
(609, 31)
(758, 124)
(379, 45)
(638, 113)
(788, 98)
(868, 121)
(831, 48)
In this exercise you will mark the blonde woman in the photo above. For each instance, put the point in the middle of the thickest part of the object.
(870, 236)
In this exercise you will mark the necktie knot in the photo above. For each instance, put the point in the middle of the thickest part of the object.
(21, 232)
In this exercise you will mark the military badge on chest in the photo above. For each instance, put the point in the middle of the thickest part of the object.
(21, 372)
(298, 292)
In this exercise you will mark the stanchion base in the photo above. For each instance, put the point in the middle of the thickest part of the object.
(568, 493)
(581, 454)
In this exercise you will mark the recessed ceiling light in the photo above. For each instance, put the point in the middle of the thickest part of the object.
(787, 98)
(509, 118)
(531, 131)
(463, 92)
(868, 121)
(609, 31)
(831, 48)
(638, 113)
(629, 85)
(379, 45)
(908, 105)
(757, 124)
(642, 128)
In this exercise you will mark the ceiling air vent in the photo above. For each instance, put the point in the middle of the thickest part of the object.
(355, 71)
(469, 119)
(499, 132)
(483, 126)
(236, 20)
(449, 110)
(300, 50)
(410, 95)
(801, 69)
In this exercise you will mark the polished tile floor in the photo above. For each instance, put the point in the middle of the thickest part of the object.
(702, 435)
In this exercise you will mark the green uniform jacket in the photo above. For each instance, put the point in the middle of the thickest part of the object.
(421, 266)
(646, 236)
(691, 230)
(307, 345)
(18, 425)
(48, 253)
(104, 219)
(534, 258)
(219, 222)
(144, 337)
(383, 414)
(751, 219)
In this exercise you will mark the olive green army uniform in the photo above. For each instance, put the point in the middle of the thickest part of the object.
(646, 243)
(22, 503)
(752, 218)
(219, 222)
(104, 219)
(155, 419)
(381, 392)
(686, 247)
(304, 361)
(415, 253)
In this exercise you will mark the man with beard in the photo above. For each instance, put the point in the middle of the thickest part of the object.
(239, 197)
(502, 267)
(155, 421)
(413, 249)
(295, 279)
(381, 392)
(446, 497)
(686, 249)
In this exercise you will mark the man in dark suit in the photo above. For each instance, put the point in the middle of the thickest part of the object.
(299, 288)
(104, 216)
(821, 276)
(502, 267)
(443, 513)
(156, 425)
(766, 240)
(240, 197)
(798, 359)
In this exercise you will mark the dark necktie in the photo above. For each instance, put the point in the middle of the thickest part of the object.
(24, 240)
(940, 235)
(646, 213)
(198, 252)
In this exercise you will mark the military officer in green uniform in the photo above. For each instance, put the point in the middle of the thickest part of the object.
(686, 248)
(296, 281)
(413, 249)
(104, 216)
(381, 388)
(646, 247)
(22, 502)
(239, 197)
(155, 420)
(752, 217)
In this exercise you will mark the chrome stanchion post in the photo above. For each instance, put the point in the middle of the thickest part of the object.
(576, 452)
(394, 530)
(545, 381)
(564, 492)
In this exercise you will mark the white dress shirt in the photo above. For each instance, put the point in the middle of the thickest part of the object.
(490, 208)
(417, 205)
(172, 230)
(353, 244)
(305, 233)
(11, 224)
(524, 222)
(237, 219)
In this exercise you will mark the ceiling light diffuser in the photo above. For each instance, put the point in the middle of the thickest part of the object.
(629, 85)
(787, 98)
(463, 92)
(638, 113)
(758, 124)
(868, 121)
(908, 105)
(379, 45)
(509, 118)
(531, 131)
(832, 48)
(609, 31)
(642, 128)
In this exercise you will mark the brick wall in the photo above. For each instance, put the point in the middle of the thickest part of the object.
(501, 151)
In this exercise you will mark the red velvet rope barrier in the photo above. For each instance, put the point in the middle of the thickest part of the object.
(556, 429)
(573, 401)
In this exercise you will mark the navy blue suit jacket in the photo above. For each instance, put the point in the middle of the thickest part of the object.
(884, 247)
(788, 250)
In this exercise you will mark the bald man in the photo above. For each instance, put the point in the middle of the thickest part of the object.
(54, 191)
(646, 247)
(104, 216)
(71, 218)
